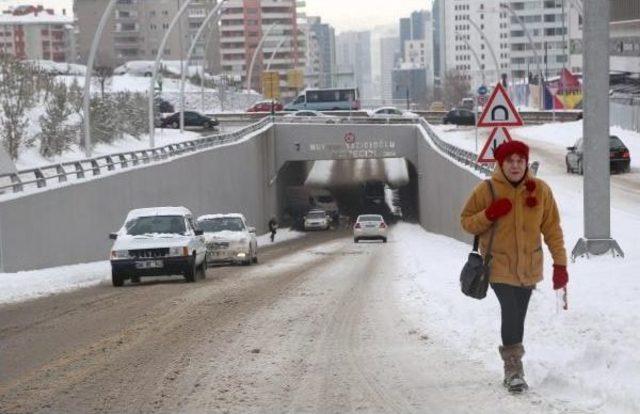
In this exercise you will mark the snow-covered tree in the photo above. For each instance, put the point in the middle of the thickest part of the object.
(57, 134)
(16, 98)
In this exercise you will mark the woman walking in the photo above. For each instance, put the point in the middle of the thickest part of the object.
(523, 212)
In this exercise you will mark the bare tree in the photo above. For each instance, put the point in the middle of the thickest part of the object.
(455, 87)
(16, 98)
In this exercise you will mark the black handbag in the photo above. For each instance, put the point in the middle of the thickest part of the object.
(474, 278)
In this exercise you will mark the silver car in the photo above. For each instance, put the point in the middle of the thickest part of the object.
(229, 239)
(370, 227)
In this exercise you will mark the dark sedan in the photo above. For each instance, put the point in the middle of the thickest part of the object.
(191, 119)
(619, 157)
(459, 116)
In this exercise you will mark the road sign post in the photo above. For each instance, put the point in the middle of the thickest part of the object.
(498, 113)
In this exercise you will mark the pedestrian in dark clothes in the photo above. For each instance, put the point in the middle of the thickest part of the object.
(273, 226)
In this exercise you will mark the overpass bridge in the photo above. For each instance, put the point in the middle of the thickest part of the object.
(62, 214)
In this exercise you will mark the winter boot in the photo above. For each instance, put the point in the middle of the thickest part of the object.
(513, 370)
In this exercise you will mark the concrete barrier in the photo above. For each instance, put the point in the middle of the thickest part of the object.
(70, 224)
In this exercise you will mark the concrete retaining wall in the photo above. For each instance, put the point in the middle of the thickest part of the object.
(71, 224)
(443, 189)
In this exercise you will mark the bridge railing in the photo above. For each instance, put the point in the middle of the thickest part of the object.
(92, 167)
(467, 158)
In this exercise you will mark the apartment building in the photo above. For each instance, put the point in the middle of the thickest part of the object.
(244, 23)
(32, 32)
(136, 28)
(321, 60)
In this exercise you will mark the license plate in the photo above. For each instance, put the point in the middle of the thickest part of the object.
(149, 264)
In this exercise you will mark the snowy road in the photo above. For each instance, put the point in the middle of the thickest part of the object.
(319, 326)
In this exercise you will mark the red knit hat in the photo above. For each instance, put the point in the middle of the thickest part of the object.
(508, 148)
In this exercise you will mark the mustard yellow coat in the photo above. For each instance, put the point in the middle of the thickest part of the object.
(517, 245)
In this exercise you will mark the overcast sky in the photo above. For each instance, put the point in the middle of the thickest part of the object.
(342, 14)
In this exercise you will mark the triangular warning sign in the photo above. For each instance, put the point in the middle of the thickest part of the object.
(499, 110)
(497, 137)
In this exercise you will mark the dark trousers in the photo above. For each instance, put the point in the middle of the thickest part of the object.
(273, 234)
(514, 302)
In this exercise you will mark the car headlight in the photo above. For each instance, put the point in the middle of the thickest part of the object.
(119, 254)
(179, 251)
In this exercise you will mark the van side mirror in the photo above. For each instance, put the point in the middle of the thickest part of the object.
(199, 232)
(252, 230)
(571, 148)
(113, 236)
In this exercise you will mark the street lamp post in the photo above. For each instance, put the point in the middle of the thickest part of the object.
(211, 16)
(156, 66)
(486, 42)
(255, 53)
(508, 7)
(87, 77)
(597, 187)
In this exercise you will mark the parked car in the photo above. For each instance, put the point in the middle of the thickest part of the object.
(387, 112)
(229, 239)
(370, 227)
(191, 119)
(619, 156)
(265, 106)
(459, 116)
(317, 220)
(159, 241)
(306, 113)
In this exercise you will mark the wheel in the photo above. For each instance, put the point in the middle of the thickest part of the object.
(384, 240)
(255, 257)
(206, 125)
(627, 169)
(203, 269)
(355, 240)
(191, 271)
(175, 125)
(568, 167)
(580, 169)
(116, 279)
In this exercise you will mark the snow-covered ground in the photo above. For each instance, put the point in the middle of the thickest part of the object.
(21, 286)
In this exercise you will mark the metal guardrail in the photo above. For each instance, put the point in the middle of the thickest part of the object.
(467, 158)
(434, 117)
(91, 167)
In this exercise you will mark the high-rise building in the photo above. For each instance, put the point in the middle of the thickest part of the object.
(419, 22)
(136, 28)
(410, 84)
(322, 39)
(245, 23)
(389, 57)
(406, 33)
(439, 47)
(547, 22)
(32, 32)
(353, 51)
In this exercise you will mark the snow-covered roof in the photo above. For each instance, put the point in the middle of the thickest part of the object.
(40, 18)
(223, 215)
(158, 211)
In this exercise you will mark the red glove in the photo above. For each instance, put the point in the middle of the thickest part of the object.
(560, 276)
(500, 207)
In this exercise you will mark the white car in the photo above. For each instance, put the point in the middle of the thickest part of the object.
(308, 113)
(229, 239)
(317, 220)
(370, 227)
(159, 241)
(390, 112)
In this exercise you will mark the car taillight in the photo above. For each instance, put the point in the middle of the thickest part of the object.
(383, 226)
(357, 226)
(625, 154)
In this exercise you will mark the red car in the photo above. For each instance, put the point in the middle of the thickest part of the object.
(265, 106)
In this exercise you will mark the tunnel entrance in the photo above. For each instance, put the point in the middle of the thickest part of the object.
(356, 186)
